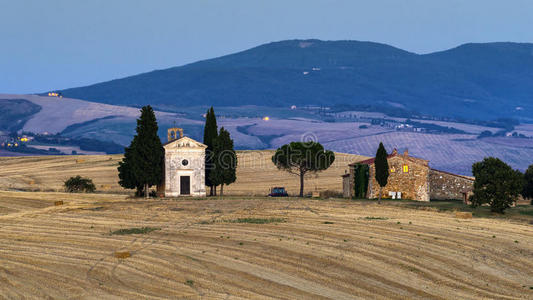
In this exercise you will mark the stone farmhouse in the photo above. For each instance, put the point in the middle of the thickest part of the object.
(184, 166)
(411, 178)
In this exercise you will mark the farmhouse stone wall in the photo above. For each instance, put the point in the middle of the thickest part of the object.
(413, 178)
(347, 186)
(444, 185)
(413, 183)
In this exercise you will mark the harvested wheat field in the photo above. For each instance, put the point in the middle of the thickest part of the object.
(111, 246)
(256, 173)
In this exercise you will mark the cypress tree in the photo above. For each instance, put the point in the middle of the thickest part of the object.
(382, 168)
(528, 184)
(225, 161)
(142, 165)
(210, 134)
(360, 180)
(125, 172)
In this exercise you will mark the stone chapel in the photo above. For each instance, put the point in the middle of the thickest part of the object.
(184, 165)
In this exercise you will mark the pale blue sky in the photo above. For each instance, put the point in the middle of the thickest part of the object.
(55, 44)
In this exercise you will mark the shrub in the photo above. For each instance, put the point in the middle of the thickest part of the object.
(141, 230)
(256, 220)
(376, 218)
(79, 184)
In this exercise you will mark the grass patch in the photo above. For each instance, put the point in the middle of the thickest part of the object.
(526, 212)
(376, 218)
(328, 222)
(141, 230)
(257, 220)
(439, 205)
(189, 282)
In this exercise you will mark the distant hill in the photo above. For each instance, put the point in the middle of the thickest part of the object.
(473, 81)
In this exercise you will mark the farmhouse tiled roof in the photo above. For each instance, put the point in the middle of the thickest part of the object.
(394, 153)
(453, 174)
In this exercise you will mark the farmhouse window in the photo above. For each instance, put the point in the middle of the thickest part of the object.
(405, 168)
(392, 170)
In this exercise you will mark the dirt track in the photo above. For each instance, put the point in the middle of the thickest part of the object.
(324, 249)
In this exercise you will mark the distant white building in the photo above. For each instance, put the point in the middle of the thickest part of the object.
(184, 166)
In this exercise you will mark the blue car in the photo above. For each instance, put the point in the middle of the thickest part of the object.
(278, 192)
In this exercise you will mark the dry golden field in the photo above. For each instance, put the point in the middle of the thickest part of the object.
(245, 247)
(255, 173)
(313, 249)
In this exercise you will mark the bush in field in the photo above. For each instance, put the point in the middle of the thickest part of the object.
(496, 183)
(79, 184)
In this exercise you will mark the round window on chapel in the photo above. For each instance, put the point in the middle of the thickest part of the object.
(184, 162)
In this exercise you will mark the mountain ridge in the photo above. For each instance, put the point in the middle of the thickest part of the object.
(474, 80)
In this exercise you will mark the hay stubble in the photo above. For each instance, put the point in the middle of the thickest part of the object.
(322, 249)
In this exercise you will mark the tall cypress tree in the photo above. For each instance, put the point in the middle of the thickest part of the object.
(210, 134)
(225, 161)
(125, 172)
(142, 165)
(382, 168)
(528, 184)
(360, 180)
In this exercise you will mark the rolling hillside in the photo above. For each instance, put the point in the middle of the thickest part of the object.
(473, 81)
(78, 119)
(255, 173)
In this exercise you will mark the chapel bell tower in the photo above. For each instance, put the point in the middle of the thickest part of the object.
(172, 133)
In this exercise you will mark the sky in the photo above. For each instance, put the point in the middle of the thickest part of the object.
(57, 44)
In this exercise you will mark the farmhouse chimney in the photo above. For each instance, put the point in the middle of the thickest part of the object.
(406, 152)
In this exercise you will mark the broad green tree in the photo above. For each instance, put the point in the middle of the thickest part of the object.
(210, 135)
(496, 183)
(382, 169)
(225, 161)
(299, 158)
(143, 162)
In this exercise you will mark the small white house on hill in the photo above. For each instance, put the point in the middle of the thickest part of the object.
(184, 166)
